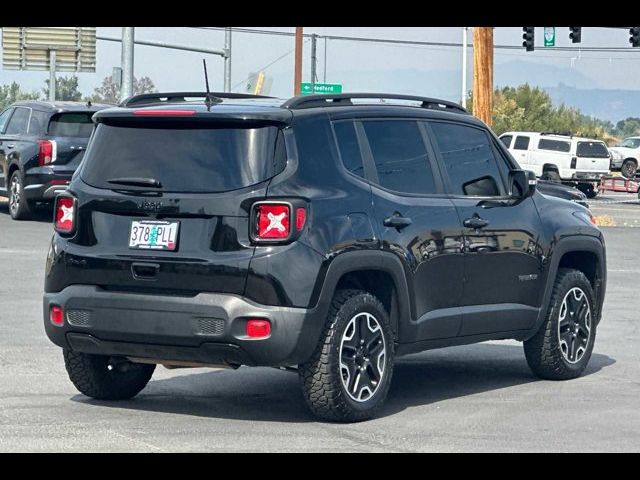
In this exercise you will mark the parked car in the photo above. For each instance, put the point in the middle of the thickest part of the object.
(562, 191)
(625, 156)
(575, 161)
(41, 145)
(328, 233)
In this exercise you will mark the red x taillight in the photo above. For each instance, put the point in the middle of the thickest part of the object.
(273, 221)
(65, 214)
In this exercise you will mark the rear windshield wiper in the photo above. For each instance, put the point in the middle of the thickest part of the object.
(136, 182)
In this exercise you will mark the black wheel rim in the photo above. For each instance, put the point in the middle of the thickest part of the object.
(574, 325)
(362, 357)
(14, 196)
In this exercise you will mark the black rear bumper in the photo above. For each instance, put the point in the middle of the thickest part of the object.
(207, 328)
(44, 183)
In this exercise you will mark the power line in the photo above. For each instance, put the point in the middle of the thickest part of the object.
(418, 42)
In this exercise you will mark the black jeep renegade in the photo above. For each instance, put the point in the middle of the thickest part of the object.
(330, 234)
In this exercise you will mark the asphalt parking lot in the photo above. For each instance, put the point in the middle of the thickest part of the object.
(473, 398)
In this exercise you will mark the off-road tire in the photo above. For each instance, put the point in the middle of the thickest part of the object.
(543, 351)
(321, 376)
(90, 375)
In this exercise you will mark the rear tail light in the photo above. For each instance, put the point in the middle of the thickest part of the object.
(56, 315)
(46, 152)
(301, 218)
(258, 328)
(272, 221)
(65, 214)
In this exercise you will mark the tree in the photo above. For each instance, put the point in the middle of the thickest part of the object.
(628, 128)
(12, 93)
(109, 92)
(66, 89)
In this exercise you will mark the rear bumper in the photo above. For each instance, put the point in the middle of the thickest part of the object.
(44, 183)
(208, 328)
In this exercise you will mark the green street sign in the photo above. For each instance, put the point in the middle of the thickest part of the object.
(549, 36)
(320, 88)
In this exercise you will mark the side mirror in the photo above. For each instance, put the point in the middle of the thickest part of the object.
(522, 183)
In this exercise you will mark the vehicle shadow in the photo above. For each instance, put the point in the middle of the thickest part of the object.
(266, 394)
(40, 213)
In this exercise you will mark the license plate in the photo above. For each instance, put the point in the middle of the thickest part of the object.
(153, 235)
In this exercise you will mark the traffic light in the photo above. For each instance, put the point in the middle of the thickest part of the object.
(528, 37)
(634, 40)
(576, 34)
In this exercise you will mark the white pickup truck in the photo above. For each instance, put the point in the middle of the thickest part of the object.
(626, 156)
(576, 161)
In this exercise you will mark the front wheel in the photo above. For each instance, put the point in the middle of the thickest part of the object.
(348, 376)
(562, 347)
(106, 378)
(629, 168)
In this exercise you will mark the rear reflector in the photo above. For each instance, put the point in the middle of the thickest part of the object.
(273, 221)
(65, 214)
(56, 315)
(258, 328)
(301, 217)
(165, 113)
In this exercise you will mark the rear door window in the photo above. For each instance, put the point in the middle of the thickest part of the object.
(400, 156)
(348, 145)
(184, 157)
(468, 159)
(19, 121)
(554, 145)
(521, 143)
(71, 125)
(4, 119)
(592, 150)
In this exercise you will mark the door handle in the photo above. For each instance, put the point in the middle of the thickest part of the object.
(475, 222)
(397, 221)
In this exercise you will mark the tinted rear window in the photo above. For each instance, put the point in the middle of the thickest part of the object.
(71, 125)
(592, 150)
(185, 159)
(522, 143)
(554, 145)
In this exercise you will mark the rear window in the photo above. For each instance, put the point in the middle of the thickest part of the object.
(592, 150)
(185, 158)
(71, 125)
(554, 145)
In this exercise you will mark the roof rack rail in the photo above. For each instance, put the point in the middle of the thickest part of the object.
(564, 134)
(171, 97)
(345, 99)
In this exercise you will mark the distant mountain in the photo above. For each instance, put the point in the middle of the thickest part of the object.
(612, 105)
(539, 74)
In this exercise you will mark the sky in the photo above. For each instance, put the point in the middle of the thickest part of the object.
(429, 71)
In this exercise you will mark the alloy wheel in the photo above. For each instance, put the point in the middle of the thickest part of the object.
(574, 325)
(14, 196)
(362, 357)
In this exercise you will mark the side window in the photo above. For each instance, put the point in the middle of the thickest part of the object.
(400, 156)
(4, 119)
(468, 159)
(521, 143)
(554, 145)
(506, 140)
(348, 145)
(38, 123)
(19, 121)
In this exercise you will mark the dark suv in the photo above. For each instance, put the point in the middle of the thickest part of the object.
(41, 145)
(330, 234)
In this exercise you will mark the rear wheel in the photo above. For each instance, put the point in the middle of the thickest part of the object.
(349, 374)
(562, 347)
(106, 378)
(19, 207)
(629, 168)
(588, 189)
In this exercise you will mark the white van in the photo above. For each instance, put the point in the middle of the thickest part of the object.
(576, 161)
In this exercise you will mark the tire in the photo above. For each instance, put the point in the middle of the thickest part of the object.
(552, 176)
(629, 168)
(92, 376)
(545, 352)
(19, 207)
(324, 376)
(588, 189)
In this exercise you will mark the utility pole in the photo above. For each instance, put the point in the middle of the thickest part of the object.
(297, 76)
(483, 73)
(314, 60)
(463, 96)
(227, 59)
(128, 34)
(52, 75)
